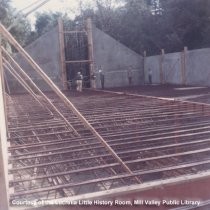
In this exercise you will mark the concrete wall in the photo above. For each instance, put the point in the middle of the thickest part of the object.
(198, 67)
(153, 63)
(115, 59)
(191, 69)
(172, 68)
(170, 65)
(46, 52)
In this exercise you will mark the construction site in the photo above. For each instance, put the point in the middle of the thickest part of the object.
(132, 145)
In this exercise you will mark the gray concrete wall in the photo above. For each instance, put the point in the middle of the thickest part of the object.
(153, 63)
(115, 59)
(172, 68)
(46, 52)
(196, 68)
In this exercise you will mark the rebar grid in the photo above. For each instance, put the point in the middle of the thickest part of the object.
(156, 139)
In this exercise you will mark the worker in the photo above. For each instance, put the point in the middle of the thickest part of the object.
(93, 80)
(150, 76)
(129, 74)
(102, 77)
(79, 80)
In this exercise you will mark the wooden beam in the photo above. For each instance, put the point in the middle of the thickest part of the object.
(74, 32)
(22, 82)
(4, 95)
(39, 91)
(144, 66)
(7, 84)
(35, 66)
(79, 61)
(62, 54)
(4, 188)
(89, 27)
(184, 66)
(162, 80)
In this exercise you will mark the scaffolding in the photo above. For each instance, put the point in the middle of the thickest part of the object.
(77, 51)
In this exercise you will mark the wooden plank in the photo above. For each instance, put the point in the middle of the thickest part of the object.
(21, 81)
(7, 84)
(73, 32)
(144, 66)
(62, 54)
(4, 95)
(39, 91)
(162, 80)
(12, 41)
(184, 66)
(79, 61)
(4, 188)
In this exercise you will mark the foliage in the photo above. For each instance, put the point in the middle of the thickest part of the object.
(9, 16)
(153, 25)
(45, 21)
(149, 25)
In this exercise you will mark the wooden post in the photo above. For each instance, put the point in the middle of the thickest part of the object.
(4, 187)
(62, 53)
(185, 63)
(144, 66)
(4, 94)
(66, 101)
(89, 29)
(162, 80)
(183, 66)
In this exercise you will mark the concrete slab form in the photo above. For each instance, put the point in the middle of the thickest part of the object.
(125, 143)
(157, 139)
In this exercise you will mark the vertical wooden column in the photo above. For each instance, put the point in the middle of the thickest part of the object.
(144, 66)
(183, 66)
(162, 80)
(62, 54)
(4, 188)
(89, 28)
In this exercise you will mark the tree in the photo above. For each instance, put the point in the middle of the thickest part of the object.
(186, 23)
(8, 15)
(46, 21)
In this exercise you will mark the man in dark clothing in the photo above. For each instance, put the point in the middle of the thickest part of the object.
(150, 76)
(129, 74)
(102, 77)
